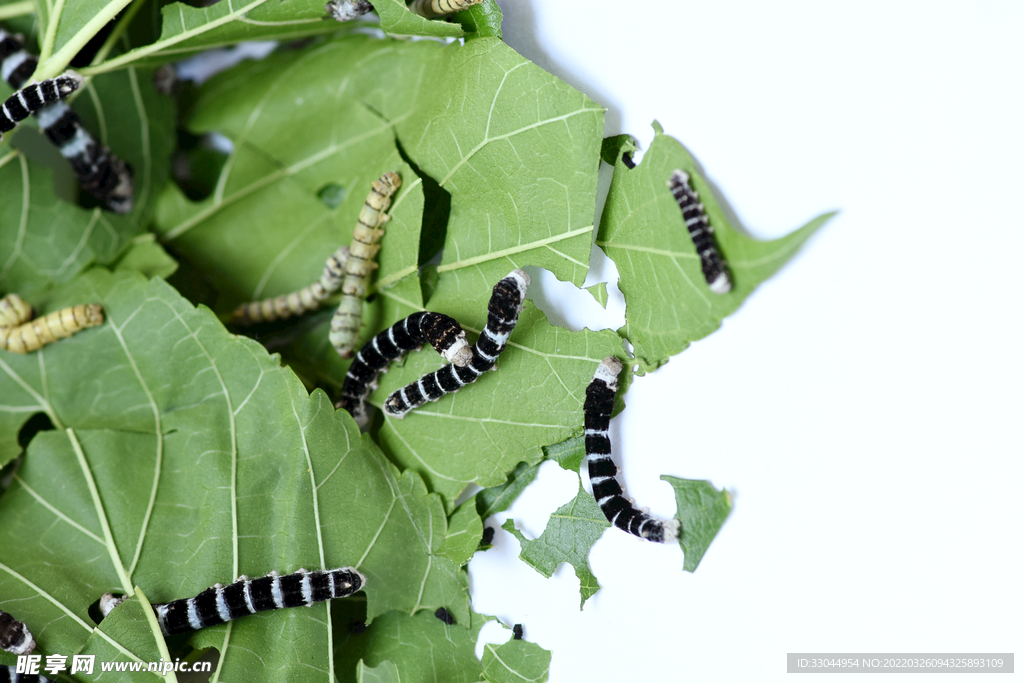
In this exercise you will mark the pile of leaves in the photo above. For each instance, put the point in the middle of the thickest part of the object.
(162, 452)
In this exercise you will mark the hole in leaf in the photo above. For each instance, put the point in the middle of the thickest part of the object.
(332, 195)
(40, 422)
(197, 164)
(437, 207)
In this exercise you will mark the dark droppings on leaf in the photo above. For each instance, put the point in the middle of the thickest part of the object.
(444, 615)
(517, 632)
(627, 160)
(488, 537)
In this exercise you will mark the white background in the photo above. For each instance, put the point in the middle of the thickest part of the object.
(864, 406)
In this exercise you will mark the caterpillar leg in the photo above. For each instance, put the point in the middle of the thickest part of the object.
(620, 511)
(701, 232)
(502, 315)
(33, 335)
(439, 330)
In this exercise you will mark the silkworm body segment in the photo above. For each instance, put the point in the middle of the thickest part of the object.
(296, 303)
(620, 510)
(34, 334)
(701, 232)
(15, 636)
(347, 319)
(502, 315)
(439, 8)
(34, 97)
(220, 604)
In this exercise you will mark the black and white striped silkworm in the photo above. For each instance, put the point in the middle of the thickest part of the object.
(220, 604)
(597, 414)
(502, 315)
(444, 615)
(296, 303)
(15, 636)
(517, 632)
(701, 232)
(439, 8)
(9, 674)
(26, 335)
(100, 173)
(346, 10)
(439, 330)
(368, 231)
(34, 97)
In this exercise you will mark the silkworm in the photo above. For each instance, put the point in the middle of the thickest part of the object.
(296, 303)
(100, 173)
(368, 231)
(34, 97)
(701, 232)
(15, 636)
(34, 334)
(502, 315)
(346, 10)
(439, 8)
(620, 511)
(14, 311)
(220, 604)
(439, 330)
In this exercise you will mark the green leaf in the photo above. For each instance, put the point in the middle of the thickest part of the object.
(147, 257)
(569, 454)
(517, 661)
(499, 498)
(600, 293)
(643, 232)
(702, 509)
(44, 240)
(398, 21)
(506, 417)
(187, 30)
(570, 533)
(465, 529)
(482, 20)
(421, 648)
(284, 156)
(234, 470)
(385, 672)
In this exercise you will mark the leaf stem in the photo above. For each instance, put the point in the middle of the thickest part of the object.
(116, 34)
(59, 61)
(52, 24)
(17, 9)
(142, 52)
(161, 644)
(100, 511)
